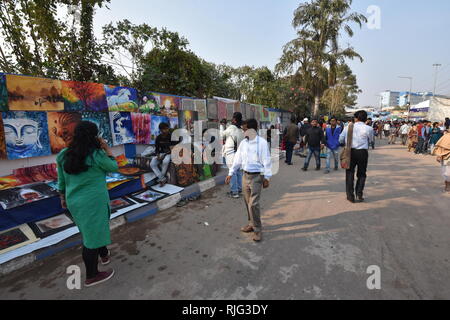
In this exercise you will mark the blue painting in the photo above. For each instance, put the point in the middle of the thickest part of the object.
(26, 134)
(101, 119)
(122, 128)
(121, 99)
(173, 123)
(156, 121)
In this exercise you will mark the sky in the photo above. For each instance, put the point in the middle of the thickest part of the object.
(413, 35)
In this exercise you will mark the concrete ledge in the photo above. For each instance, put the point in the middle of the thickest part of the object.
(50, 251)
(191, 191)
(168, 202)
(17, 264)
(141, 213)
(220, 179)
(117, 222)
(207, 185)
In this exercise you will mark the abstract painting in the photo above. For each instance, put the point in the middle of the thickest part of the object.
(122, 128)
(120, 203)
(150, 103)
(101, 119)
(15, 238)
(61, 127)
(212, 109)
(26, 134)
(19, 196)
(186, 120)
(173, 122)
(39, 173)
(169, 105)
(148, 196)
(121, 99)
(221, 110)
(3, 93)
(156, 121)
(200, 107)
(84, 96)
(141, 127)
(2, 139)
(34, 94)
(50, 226)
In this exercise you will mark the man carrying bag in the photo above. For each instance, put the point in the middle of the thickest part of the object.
(357, 138)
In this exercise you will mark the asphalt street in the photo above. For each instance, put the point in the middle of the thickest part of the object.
(316, 245)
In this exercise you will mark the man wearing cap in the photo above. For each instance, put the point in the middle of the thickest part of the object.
(252, 156)
(306, 125)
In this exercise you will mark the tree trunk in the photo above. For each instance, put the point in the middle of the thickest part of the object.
(316, 106)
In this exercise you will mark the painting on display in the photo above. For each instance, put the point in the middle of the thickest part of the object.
(150, 103)
(101, 119)
(121, 99)
(141, 123)
(170, 105)
(265, 114)
(221, 110)
(200, 107)
(186, 120)
(230, 111)
(43, 172)
(34, 94)
(26, 134)
(122, 128)
(61, 127)
(19, 196)
(212, 109)
(84, 96)
(2, 140)
(50, 226)
(3, 93)
(187, 104)
(173, 122)
(15, 238)
(237, 107)
(120, 203)
(147, 196)
(156, 121)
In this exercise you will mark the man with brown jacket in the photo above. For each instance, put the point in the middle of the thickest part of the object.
(291, 138)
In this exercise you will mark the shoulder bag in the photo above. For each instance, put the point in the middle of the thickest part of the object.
(347, 152)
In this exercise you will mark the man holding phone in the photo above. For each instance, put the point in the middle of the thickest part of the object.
(253, 156)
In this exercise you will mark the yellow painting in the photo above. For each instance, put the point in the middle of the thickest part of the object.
(34, 94)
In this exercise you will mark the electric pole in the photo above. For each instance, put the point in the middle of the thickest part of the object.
(436, 65)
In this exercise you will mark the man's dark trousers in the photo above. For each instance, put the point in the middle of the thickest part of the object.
(289, 151)
(316, 152)
(360, 159)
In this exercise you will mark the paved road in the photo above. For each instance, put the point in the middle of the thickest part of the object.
(316, 244)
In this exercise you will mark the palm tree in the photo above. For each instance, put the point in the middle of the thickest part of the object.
(314, 55)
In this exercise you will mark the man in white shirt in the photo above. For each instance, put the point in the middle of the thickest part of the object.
(253, 156)
(362, 138)
(387, 129)
(404, 129)
(233, 136)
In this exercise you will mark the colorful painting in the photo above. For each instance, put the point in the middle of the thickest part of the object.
(258, 111)
(3, 93)
(173, 122)
(19, 196)
(2, 140)
(122, 128)
(200, 107)
(212, 109)
(169, 105)
(186, 120)
(15, 238)
(141, 127)
(34, 94)
(221, 110)
(148, 196)
(156, 121)
(120, 203)
(39, 173)
(150, 103)
(47, 227)
(265, 114)
(101, 119)
(26, 134)
(61, 127)
(121, 99)
(84, 96)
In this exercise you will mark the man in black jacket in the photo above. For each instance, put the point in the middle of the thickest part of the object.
(315, 139)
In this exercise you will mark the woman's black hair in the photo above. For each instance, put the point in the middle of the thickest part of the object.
(85, 141)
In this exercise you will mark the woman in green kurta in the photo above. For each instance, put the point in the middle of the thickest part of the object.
(82, 168)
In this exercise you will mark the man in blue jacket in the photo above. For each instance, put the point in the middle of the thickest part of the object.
(332, 134)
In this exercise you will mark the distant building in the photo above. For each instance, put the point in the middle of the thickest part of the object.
(389, 99)
(416, 97)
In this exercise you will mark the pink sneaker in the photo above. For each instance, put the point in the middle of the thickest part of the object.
(100, 278)
(106, 260)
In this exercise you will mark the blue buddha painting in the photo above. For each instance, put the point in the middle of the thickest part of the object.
(26, 134)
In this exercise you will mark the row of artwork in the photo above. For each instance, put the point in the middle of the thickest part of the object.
(25, 93)
(25, 134)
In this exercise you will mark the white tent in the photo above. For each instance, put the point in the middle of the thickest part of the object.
(439, 109)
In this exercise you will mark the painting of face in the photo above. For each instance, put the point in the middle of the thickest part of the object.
(19, 196)
(186, 120)
(61, 127)
(121, 99)
(3, 93)
(101, 119)
(141, 127)
(26, 134)
(84, 96)
(34, 94)
(170, 106)
(122, 128)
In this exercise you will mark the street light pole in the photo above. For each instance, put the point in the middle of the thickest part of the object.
(436, 65)
(410, 92)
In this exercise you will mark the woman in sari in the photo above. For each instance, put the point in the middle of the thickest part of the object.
(413, 138)
(442, 152)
